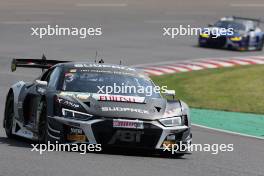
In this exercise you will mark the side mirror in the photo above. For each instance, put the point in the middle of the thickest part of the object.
(169, 93)
(41, 86)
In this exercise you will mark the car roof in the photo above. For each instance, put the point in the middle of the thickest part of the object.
(248, 23)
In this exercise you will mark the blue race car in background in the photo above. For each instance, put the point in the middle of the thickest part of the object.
(245, 35)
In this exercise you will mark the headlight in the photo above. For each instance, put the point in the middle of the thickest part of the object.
(172, 121)
(204, 35)
(75, 114)
(236, 38)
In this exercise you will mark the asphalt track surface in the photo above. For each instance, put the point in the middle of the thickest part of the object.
(132, 32)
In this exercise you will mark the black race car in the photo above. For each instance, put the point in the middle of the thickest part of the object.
(67, 104)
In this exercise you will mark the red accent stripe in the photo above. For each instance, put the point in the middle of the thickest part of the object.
(248, 61)
(154, 69)
(149, 73)
(182, 66)
(256, 57)
(198, 65)
(188, 64)
(171, 68)
(229, 61)
(259, 59)
(212, 63)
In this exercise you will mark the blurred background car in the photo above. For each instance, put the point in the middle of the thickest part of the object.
(246, 34)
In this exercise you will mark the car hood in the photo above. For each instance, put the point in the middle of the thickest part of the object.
(117, 106)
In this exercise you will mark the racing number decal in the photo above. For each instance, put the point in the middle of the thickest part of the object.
(126, 136)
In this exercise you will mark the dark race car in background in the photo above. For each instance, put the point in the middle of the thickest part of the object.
(246, 35)
(63, 105)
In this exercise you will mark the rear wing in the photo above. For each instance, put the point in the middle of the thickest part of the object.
(258, 21)
(42, 63)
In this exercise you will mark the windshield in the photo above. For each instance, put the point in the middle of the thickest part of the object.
(108, 83)
(230, 24)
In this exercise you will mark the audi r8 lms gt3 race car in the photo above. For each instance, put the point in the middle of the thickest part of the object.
(64, 105)
(241, 34)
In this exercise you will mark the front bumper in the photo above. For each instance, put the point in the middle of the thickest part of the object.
(101, 131)
(223, 42)
(218, 42)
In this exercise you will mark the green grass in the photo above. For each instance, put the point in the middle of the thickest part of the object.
(237, 89)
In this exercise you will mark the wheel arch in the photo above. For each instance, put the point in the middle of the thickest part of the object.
(10, 92)
(17, 88)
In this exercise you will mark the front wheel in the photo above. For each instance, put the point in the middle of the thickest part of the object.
(171, 155)
(42, 125)
(260, 47)
(9, 115)
(43, 134)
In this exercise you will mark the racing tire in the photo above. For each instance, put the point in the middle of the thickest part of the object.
(260, 47)
(178, 155)
(43, 136)
(175, 155)
(43, 133)
(246, 47)
(170, 155)
(42, 125)
(9, 115)
(202, 45)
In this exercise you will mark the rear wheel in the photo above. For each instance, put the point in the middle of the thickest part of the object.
(9, 115)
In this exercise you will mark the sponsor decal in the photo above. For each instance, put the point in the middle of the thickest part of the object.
(104, 66)
(123, 72)
(75, 130)
(105, 97)
(126, 136)
(118, 98)
(68, 103)
(122, 109)
(83, 96)
(134, 124)
(76, 134)
(73, 70)
(71, 94)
